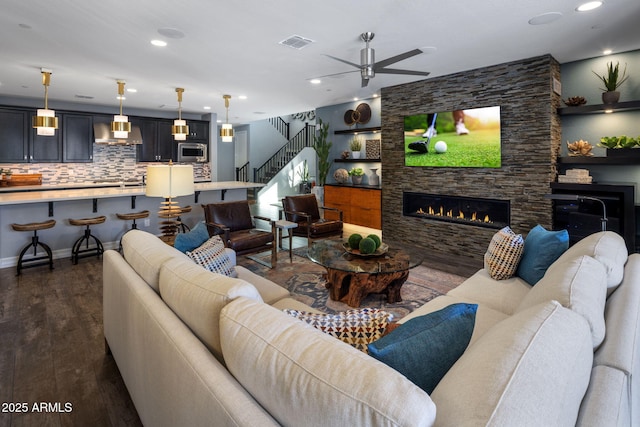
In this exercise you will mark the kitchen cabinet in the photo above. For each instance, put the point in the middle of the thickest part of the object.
(198, 131)
(77, 137)
(14, 128)
(44, 149)
(359, 205)
(158, 144)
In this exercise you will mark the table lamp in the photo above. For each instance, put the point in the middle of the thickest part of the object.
(169, 181)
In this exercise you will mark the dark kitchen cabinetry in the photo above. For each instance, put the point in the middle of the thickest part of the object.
(77, 137)
(14, 131)
(158, 144)
(198, 131)
(44, 149)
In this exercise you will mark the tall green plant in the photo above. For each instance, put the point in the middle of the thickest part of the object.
(612, 80)
(322, 148)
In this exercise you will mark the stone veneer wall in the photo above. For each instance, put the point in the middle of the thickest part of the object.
(530, 136)
(110, 162)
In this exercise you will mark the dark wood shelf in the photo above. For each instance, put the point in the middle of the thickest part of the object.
(581, 160)
(599, 108)
(357, 160)
(358, 130)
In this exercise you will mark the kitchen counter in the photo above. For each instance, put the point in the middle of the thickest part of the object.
(64, 192)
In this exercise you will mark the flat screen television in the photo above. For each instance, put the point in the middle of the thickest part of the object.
(459, 138)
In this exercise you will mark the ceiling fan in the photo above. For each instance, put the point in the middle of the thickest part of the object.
(368, 67)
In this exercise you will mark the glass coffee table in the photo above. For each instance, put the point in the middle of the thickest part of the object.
(352, 277)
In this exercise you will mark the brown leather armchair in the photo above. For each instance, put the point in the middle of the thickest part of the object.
(233, 221)
(304, 211)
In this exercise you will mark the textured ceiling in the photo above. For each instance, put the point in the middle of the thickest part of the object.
(233, 47)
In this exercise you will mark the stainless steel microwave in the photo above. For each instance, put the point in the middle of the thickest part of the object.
(192, 152)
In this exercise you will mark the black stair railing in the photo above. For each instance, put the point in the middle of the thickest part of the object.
(281, 126)
(242, 173)
(284, 155)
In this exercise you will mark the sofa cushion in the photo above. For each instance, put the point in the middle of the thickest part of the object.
(145, 253)
(531, 369)
(189, 241)
(357, 327)
(302, 376)
(607, 247)
(504, 295)
(503, 255)
(541, 249)
(212, 256)
(269, 291)
(197, 296)
(424, 348)
(486, 317)
(579, 285)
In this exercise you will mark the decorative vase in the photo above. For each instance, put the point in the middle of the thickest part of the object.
(374, 178)
(355, 154)
(356, 179)
(610, 97)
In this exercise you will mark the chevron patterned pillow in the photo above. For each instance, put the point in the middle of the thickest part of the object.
(357, 327)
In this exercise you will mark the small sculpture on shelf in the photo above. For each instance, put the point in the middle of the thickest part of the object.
(575, 101)
(341, 176)
(345, 154)
(580, 148)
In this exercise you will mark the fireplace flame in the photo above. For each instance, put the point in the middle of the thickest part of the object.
(473, 217)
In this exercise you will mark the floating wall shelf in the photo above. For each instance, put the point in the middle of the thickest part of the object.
(360, 130)
(599, 108)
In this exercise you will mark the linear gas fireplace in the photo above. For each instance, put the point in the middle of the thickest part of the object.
(489, 213)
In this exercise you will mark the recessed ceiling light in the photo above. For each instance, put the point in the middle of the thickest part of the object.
(242, 96)
(375, 95)
(206, 107)
(584, 7)
(315, 81)
(545, 18)
(132, 90)
(607, 52)
(355, 99)
(159, 43)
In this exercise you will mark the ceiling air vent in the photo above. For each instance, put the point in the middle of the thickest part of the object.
(296, 42)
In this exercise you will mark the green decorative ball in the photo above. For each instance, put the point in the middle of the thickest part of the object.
(354, 241)
(367, 246)
(376, 239)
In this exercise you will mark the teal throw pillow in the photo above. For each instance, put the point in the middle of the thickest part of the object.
(424, 348)
(195, 238)
(541, 249)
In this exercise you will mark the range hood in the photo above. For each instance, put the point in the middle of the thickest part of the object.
(103, 135)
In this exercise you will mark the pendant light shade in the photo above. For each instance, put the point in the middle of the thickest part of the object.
(45, 122)
(179, 128)
(120, 125)
(226, 131)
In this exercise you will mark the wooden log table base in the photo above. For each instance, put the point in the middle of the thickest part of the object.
(351, 287)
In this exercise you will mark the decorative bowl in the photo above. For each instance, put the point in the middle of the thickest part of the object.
(382, 249)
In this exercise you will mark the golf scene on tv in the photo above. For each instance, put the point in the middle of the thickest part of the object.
(459, 138)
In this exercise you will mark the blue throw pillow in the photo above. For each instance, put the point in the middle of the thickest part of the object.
(189, 241)
(541, 249)
(424, 348)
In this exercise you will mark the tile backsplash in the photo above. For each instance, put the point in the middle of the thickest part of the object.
(110, 162)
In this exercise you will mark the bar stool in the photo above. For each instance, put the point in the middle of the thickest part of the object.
(76, 252)
(131, 216)
(35, 242)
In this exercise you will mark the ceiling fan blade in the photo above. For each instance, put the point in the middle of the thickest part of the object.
(344, 61)
(334, 74)
(394, 59)
(407, 72)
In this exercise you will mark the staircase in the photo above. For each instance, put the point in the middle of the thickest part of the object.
(282, 157)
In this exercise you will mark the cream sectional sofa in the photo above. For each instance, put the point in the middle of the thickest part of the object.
(197, 348)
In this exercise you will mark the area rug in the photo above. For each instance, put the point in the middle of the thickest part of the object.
(306, 282)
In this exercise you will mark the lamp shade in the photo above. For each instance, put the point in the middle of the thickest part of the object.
(169, 180)
(45, 122)
(226, 132)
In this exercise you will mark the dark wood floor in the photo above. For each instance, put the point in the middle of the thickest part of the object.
(52, 350)
(52, 347)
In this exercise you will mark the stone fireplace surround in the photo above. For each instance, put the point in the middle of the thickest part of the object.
(530, 134)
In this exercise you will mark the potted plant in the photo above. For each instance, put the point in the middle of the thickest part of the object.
(612, 81)
(322, 148)
(355, 145)
(356, 175)
(303, 185)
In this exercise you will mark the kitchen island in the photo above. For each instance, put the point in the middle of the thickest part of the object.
(40, 203)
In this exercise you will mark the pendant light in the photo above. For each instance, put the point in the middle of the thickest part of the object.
(46, 121)
(226, 131)
(179, 130)
(120, 125)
